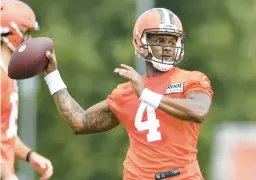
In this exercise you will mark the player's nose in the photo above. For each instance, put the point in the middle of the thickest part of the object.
(167, 48)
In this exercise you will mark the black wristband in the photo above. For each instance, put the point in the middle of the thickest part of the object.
(28, 155)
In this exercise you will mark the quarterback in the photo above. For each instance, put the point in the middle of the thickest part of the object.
(161, 111)
(17, 20)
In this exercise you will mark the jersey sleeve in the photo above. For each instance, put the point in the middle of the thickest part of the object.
(116, 99)
(199, 82)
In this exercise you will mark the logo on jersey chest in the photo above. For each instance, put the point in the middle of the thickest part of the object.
(175, 88)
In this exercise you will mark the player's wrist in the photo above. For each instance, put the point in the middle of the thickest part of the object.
(151, 98)
(54, 82)
(46, 72)
(28, 156)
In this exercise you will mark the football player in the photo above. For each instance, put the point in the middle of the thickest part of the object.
(162, 111)
(17, 20)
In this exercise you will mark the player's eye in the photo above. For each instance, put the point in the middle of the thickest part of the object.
(159, 41)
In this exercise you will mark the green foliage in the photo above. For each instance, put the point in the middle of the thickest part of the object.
(93, 37)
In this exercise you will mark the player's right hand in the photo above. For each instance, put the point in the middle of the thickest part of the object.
(52, 65)
(41, 165)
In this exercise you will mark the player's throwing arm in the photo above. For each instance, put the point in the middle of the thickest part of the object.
(98, 118)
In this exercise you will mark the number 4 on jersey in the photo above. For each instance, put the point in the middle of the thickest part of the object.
(151, 124)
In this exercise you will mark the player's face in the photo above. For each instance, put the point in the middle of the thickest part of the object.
(163, 46)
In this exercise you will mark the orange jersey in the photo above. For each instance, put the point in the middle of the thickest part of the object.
(9, 115)
(159, 141)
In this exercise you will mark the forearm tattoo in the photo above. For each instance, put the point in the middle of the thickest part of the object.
(96, 119)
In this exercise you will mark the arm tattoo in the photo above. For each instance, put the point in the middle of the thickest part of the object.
(99, 118)
(96, 119)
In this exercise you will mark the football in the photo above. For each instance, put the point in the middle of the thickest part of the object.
(29, 59)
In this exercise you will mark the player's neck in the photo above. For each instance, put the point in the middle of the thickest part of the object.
(5, 56)
(151, 71)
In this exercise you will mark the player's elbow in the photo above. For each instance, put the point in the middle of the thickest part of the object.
(78, 130)
(82, 130)
(200, 115)
(199, 118)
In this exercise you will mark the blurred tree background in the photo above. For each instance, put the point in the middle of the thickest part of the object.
(93, 37)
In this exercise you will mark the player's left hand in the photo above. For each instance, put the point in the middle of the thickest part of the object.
(41, 165)
(130, 74)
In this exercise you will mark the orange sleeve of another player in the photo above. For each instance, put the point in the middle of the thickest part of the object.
(199, 82)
